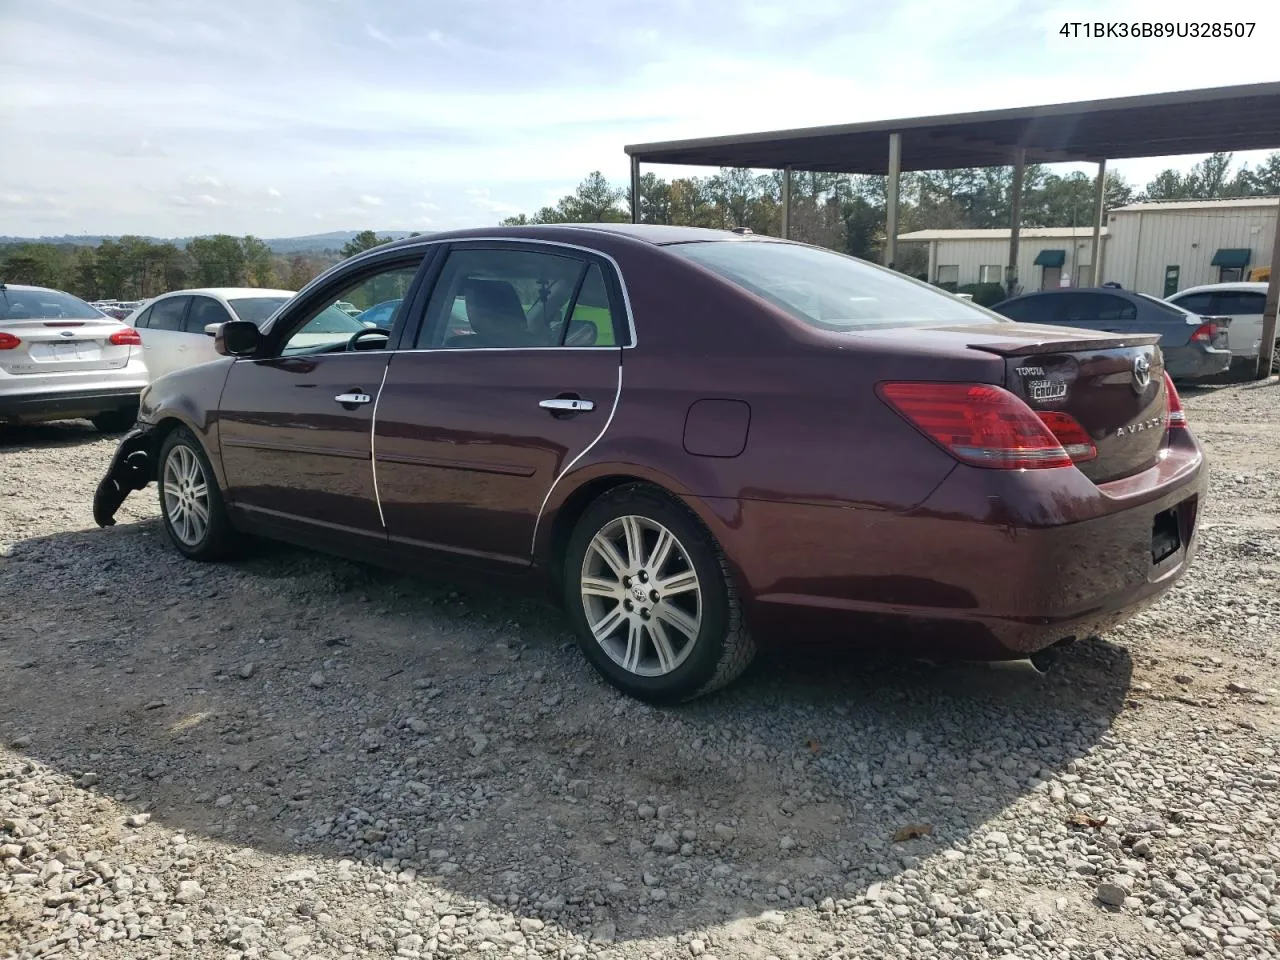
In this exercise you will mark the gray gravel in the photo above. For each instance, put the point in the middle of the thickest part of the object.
(294, 756)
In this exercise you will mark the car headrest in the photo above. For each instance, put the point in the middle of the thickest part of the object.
(493, 307)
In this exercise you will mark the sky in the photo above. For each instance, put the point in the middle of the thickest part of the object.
(288, 117)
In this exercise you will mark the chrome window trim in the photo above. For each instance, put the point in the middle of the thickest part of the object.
(433, 242)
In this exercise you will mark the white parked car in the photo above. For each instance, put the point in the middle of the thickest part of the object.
(61, 359)
(177, 328)
(1240, 300)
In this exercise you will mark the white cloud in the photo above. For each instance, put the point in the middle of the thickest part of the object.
(480, 113)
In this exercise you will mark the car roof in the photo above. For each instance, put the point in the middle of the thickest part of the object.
(653, 233)
(228, 292)
(1250, 286)
(31, 286)
(1058, 291)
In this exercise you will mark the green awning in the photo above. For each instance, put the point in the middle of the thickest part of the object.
(1231, 257)
(1051, 258)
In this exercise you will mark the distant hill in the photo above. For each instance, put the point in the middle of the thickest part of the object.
(286, 246)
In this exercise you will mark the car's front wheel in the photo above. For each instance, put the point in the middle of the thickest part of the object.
(651, 598)
(190, 502)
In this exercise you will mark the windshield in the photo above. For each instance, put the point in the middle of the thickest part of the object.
(257, 309)
(44, 305)
(829, 290)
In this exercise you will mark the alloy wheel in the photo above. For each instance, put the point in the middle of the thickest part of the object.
(186, 495)
(641, 596)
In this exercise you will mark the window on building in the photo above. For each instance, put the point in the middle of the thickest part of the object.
(948, 273)
(1230, 274)
(990, 273)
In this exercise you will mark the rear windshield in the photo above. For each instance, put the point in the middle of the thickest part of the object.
(44, 305)
(257, 309)
(1166, 307)
(830, 290)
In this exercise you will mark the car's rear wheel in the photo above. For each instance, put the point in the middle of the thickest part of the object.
(116, 421)
(651, 598)
(190, 501)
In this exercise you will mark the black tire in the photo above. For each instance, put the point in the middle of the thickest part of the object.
(219, 539)
(722, 648)
(116, 421)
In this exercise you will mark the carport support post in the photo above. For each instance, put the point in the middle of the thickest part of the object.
(1099, 211)
(1266, 351)
(891, 201)
(786, 203)
(635, 189)
(1015, 222)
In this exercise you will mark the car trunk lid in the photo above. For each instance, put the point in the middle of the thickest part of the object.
(1112, 386)
(55, 346)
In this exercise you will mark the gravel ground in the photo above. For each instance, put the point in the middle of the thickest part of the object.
(298, 757)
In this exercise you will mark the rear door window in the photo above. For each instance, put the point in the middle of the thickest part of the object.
(169, 314)
(204, 311)
(1113, 309)
(1197, 303)
(1239, 303)
(143, 320)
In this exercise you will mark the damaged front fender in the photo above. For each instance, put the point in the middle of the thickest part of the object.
(132, 468)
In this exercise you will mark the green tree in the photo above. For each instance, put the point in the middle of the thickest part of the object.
(301, 272)
(217, 261)
(85, 282)
(362, 241)
(258, 261)
(33, 263)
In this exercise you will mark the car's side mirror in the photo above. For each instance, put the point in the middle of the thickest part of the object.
(237, 338)
(211, 329)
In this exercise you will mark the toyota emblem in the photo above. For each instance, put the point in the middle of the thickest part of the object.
(1141, 372)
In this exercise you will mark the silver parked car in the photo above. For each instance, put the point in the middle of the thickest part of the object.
(60, 359)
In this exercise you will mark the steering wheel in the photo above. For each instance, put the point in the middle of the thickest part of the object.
(353, 342)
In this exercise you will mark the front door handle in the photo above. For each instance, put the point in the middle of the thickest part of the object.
(345, 398)
(567, 405)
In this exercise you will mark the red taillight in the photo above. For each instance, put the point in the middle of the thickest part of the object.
(978, 423)
(126, 338)
(1174, 418)
(1073, 437)
(8, 341)
(1205, 333)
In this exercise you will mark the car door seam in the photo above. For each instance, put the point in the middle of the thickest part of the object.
(373, 444)
(617, 398)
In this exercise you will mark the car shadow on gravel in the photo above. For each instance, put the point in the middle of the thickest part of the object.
(60, 433)
(325, 711)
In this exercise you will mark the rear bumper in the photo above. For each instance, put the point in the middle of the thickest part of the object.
(993, 565)
(1195, 362)
(67, 403)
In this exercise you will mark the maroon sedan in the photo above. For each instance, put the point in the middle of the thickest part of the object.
(697, 439)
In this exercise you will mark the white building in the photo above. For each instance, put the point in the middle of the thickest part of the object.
(1158, 247)
(1047, 256)
(1162, 247)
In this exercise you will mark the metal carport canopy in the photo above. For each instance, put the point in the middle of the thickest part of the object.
(1245, 117)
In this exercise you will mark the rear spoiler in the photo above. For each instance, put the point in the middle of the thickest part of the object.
(1024, 348)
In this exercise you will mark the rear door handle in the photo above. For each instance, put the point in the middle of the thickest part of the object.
(353, 398)
(567, 405)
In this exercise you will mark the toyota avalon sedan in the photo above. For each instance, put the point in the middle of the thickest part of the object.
(700, 441)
